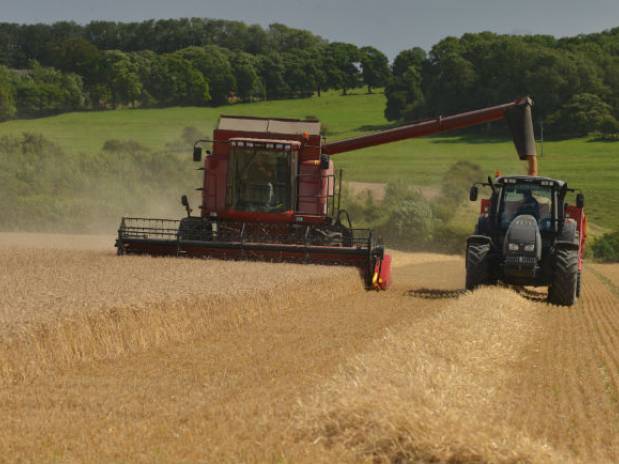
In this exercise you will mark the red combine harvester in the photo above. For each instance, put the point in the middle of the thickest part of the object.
(270, 193)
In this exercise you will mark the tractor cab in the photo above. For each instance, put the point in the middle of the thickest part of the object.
(538, 197)
(262, 175)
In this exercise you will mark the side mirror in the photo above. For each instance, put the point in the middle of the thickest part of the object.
(197, 154)
(580, 200)
(473, 193)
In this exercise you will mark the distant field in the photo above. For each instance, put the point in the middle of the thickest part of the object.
(585, 164)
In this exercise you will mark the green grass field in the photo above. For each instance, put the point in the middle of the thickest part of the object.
(585, 164)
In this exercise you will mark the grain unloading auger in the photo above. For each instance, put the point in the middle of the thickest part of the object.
(270, 193)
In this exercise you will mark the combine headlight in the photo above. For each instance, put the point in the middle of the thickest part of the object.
(513, 247)
(530, 247)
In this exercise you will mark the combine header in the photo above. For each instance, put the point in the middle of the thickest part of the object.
(270, 193)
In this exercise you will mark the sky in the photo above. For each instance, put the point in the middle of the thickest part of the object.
(389, 25)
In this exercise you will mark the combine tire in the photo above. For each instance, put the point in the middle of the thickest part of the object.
(477, 265)
(564, 288)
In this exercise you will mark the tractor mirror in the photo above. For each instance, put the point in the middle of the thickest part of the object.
(473, 193)
(197, 154)
(580, 200)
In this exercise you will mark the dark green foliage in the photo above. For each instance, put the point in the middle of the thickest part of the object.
(375, 68)
(168, 62)
(272, 73)
(123, 78)
(214, 63)
(76, 55)
(606, 248)
(584, 113)
(405, 98)
(341, 62)
(7, 95)
(177, 82)
(43, 91)
(478, 70)
(302, 72)
(21, 43)
(196, 61)
(248, 84)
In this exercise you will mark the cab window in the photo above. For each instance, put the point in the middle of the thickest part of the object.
(529, 199)
(260, 179)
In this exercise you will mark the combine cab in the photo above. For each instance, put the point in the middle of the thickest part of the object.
(270, 193)
(528, 235)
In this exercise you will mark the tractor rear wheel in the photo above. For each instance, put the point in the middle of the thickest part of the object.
(564, 288)
(477, 265)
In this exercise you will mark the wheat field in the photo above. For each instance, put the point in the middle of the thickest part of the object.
(135, 359)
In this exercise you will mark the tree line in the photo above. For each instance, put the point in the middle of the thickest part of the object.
(46, 69)
(574, 81)
(52, 68)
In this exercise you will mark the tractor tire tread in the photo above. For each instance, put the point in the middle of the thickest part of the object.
(564, 288)
(477, 265)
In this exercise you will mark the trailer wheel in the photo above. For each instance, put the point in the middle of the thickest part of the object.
(564, 290)
(477, 265)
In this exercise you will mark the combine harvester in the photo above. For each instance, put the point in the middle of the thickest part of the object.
(270, 193)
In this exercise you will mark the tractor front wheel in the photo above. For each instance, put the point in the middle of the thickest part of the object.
(564, 290)
(477, 265)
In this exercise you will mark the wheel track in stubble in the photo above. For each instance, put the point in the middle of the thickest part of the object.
(567, 379)
(546, 390)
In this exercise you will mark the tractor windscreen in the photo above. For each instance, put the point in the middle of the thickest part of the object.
(527, 198)
(261, 177)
